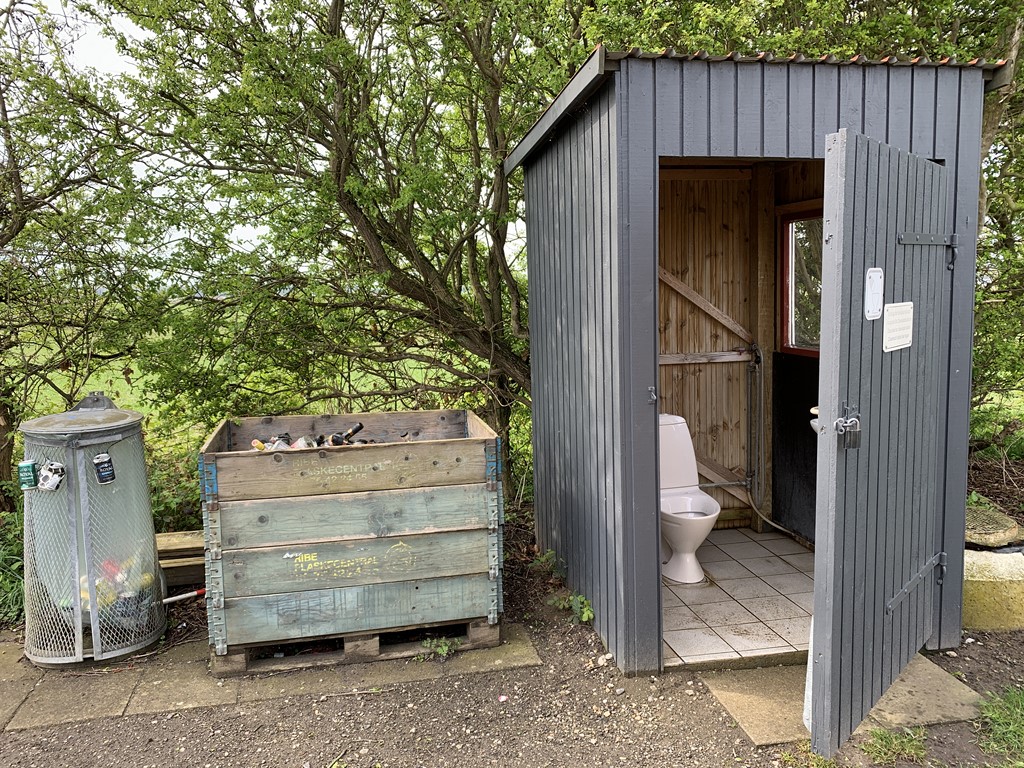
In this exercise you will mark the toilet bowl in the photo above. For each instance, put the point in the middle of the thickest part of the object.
(687, 513)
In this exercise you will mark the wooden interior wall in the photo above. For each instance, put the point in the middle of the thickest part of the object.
(705, 243)
(799, 181)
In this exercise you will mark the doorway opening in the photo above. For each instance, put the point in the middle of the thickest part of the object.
(736, 361)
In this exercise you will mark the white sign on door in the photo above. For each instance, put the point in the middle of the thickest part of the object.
(897, 326)
(874, 285)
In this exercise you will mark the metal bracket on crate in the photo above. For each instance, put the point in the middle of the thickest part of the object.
(218, 636)
(208, 477)
(494, 511)
(215, 604)
(492, 454)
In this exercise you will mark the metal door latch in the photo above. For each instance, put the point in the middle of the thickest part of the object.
(848, 427)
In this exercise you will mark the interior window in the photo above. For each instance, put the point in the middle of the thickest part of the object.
(802, 305)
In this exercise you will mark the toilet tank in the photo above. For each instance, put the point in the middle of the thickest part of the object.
(677, 462)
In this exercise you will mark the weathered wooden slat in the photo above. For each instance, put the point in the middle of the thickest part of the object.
(381, 427)
(184, 571)
(477, 427)
(717, 473)
(696, 358)
(218, 441)
(737, 517)
(366, 608)
(680, 287)
(330, 564)
(268, 475)
(335, 517)
(179, 544)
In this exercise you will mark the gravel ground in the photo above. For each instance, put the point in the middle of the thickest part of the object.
(571, 711)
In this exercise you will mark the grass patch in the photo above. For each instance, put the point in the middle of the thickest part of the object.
(804, 758)
(1002, 724)
(886, 747)
(12, 595)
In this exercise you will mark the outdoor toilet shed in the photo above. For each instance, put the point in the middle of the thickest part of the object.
(671, 202)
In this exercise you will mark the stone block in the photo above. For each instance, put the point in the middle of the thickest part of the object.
(993, 590)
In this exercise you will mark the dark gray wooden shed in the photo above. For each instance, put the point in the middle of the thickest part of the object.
(664, 174)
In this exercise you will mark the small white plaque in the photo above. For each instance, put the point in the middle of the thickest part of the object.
(898, 326)
(874, 285)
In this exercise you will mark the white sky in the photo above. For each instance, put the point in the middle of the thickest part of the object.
(92, 49)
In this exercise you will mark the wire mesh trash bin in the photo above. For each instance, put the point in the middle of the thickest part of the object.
(93, 587)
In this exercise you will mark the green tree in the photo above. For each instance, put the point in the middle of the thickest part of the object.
(75, 293)
(337, 178)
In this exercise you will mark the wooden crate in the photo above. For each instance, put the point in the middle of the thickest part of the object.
(333, 541)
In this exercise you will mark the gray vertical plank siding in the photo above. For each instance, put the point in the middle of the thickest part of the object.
(697, 113)
(903, 386)
(839, 193)
(749, 134)
(801, 113)
(592, 210)
(577, 428)
(776, 105)
(965, 173)
(638, 273)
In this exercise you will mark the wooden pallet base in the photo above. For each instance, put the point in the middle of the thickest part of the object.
(351, 649)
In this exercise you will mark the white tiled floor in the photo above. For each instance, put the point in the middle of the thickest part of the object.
(757, 599)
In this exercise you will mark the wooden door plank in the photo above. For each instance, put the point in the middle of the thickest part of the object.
(680, 287)
(699, 358)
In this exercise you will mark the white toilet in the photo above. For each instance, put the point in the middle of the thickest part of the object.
(687, 513)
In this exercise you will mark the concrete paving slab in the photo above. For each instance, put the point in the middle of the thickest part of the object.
(925, 695)
(62, 697)
(179, 679)
(767, 703)
(17, 678)
(515, 651)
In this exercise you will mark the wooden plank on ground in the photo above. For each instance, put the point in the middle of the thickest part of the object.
(179, 544)
(336, 517)
(184, 571)
(366, 608)
(330, 564)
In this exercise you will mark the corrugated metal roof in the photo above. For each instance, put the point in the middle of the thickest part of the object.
(602, 63)
(768, 58)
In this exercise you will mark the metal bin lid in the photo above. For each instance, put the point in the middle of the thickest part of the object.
(96, 413)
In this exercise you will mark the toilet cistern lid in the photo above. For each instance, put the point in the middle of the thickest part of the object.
(669, 419)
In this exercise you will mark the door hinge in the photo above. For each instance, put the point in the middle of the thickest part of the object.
(936, 561)
(951, 241)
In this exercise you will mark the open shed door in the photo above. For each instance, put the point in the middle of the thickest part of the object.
(886, 250)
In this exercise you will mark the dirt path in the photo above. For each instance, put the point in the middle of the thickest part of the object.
(570, 711)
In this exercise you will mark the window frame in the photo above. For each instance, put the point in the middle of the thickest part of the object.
(786, 216)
